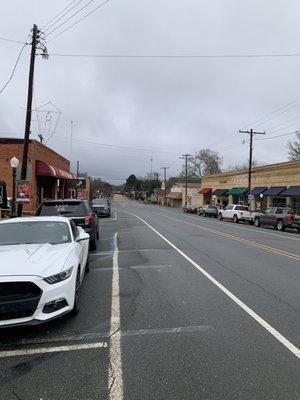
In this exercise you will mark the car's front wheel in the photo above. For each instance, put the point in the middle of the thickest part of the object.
(280, 226)
(235, 219)
(220, 216)
(257, 222)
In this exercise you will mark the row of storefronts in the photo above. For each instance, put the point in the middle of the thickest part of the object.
(272, 185)
(48, 173)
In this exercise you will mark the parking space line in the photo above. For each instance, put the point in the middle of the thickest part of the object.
(105, 335)
(277, 335)
(52, 349)
(115, 375)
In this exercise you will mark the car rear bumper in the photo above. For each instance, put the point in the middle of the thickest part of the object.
(54, 301)
(104, 213)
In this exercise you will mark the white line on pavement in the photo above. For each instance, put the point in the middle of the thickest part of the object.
(43, 350)
(290, 346)
(105, 335)
(229, 224)
(115, 375)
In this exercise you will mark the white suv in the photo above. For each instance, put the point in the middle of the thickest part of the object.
(236, 213)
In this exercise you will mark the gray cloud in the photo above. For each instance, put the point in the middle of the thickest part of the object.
(171, 105)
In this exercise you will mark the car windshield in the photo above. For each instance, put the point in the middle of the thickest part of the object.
(34, 232)
(99, 202)
(62, 208)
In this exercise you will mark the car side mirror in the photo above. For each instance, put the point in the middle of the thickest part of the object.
(82, 236)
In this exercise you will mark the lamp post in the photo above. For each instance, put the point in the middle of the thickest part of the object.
(14, 162)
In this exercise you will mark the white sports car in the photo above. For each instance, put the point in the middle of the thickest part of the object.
(42, 265)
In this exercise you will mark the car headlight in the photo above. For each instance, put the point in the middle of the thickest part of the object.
(59, 277)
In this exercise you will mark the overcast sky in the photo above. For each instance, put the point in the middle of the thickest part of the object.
(149, 107)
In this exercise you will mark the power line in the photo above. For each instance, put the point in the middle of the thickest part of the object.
(281, 124)
(79, 20)
(116, 146)
(256, 122)
(277, 136)
(168, 56)
(72, 16)
(57, 15)
(13, 41)
(286, 127)
(61, 17)
(14, 69)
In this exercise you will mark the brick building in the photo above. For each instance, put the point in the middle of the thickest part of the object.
(274, 184)
(48, 173)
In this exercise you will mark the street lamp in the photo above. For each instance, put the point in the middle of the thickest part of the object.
(14, 163)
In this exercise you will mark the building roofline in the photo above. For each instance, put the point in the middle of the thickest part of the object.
(275, 166)
(6, 140)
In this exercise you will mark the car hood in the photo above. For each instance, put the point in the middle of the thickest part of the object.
(33, 259)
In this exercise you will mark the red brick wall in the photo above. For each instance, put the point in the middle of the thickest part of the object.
(37, 151)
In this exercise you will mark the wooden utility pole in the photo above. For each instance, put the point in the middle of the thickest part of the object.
(28, 109)
(251, 133)
(29, 102)
(165, 183)
(186, 157)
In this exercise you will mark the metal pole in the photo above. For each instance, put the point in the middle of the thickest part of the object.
(14, 201)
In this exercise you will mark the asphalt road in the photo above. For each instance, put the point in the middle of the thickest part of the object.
(175, 307)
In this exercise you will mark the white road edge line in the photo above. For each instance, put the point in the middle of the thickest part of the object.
(277, 335)
(115, 373)
(44, 350)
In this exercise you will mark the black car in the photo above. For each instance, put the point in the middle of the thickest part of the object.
(208, 211)
(78, 210)
(101, 207)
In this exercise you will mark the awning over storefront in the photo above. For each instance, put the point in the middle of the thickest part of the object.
(175, 195)
(205, 191)
(258, 190)
(44, 169)
(220, 192)
(292, 191)
(237, 191)
(274, 191)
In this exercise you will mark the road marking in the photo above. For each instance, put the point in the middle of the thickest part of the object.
(44, 350)
(239, 239)
(115, 374)
(127, 268)
(261, 231)
(102, 253)
(105, 335)
(277, 335)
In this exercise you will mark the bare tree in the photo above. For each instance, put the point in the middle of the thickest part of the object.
(294, 148)
(242, 166)
(204, 162)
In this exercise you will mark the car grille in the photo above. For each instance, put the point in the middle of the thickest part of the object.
(18, 299)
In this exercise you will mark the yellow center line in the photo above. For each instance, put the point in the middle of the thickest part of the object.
(239, 239)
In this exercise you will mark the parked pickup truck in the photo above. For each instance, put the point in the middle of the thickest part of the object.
(236, 212)
(278, 217)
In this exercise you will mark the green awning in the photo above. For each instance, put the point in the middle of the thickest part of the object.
(238, 191)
